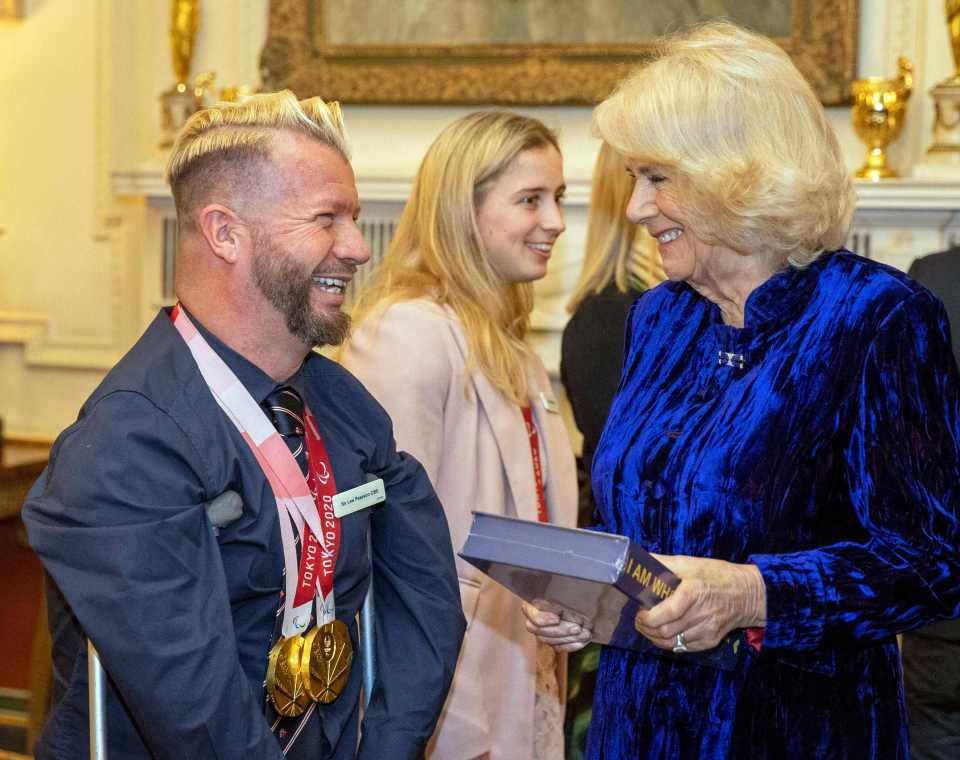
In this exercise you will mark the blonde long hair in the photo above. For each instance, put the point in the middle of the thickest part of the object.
(616, 251)
(437, 250)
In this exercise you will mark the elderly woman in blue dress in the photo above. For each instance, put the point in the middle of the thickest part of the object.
(786, 434)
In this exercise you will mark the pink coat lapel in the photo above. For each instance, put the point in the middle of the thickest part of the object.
(509, 431)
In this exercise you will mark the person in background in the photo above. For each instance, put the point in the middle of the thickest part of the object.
(236, 643)
(619, 263)
(440, 342)
(931, 655)
(786, 435)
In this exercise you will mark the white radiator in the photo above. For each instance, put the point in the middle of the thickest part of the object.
(378, 232)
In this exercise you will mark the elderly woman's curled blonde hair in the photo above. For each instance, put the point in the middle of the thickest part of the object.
(753, 160)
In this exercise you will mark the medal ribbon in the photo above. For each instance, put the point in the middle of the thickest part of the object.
(318, 558)
(295, 502)
(534, 437)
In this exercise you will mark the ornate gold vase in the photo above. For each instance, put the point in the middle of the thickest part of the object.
(179, 102)
(946, 101)
(952, 9)
(879, 110)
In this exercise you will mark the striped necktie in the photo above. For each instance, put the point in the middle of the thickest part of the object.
(285, 409)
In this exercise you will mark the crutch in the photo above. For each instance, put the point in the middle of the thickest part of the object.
(367, 656)
(222, 511)
(97, 711)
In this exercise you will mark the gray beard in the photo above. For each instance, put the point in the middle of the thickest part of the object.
(287, 288)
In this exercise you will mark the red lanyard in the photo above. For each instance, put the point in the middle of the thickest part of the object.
(299, 503)
(534, 437)
(316, 562)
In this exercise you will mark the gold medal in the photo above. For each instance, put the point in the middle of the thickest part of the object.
(284, 683)
(326, 660)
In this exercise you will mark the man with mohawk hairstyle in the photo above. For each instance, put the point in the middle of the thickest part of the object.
(240, 641)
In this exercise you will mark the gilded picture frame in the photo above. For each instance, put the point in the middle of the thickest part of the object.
(11, 9)
(300, 55)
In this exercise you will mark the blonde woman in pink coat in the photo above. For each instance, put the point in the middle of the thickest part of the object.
(440, 342)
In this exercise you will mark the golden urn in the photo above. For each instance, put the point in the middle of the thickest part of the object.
(952, 10)
(879, 110)
(944, 155)
(180, 102)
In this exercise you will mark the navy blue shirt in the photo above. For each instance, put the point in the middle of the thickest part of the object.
(183, 619)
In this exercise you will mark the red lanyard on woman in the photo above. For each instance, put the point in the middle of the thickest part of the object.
(534, 437)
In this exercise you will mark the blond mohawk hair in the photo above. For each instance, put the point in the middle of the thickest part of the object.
(234, 138)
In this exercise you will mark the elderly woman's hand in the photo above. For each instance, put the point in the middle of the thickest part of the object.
(713, 598)
(562, 635)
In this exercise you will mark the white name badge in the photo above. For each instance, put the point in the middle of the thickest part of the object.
(361, 497)
(549, 404)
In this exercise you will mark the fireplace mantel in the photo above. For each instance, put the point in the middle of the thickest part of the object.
(148, 182)
(895, 221)
(899, 195)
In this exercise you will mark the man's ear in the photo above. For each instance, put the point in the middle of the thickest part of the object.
(225, 232)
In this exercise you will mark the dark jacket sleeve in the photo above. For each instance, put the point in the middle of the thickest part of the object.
(940, 273)
(903, 475)
(591, 360)
(419, 617)
(118, 521)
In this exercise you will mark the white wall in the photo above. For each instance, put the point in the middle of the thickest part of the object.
(62, 278)
(79, 81)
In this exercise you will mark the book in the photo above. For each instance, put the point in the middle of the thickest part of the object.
(599, 580)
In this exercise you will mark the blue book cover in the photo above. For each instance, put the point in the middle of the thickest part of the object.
(599, 580)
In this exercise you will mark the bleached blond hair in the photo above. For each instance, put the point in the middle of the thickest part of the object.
(437, 251)
(752, 159)
(616, 250)
(222, 149)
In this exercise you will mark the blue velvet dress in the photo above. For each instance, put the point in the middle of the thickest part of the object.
(821, 442)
